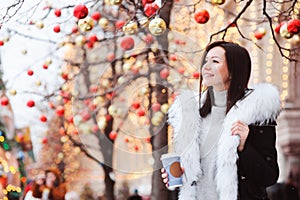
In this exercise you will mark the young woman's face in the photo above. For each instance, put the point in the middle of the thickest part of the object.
(215, 70)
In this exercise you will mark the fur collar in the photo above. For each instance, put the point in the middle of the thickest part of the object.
(260, 104)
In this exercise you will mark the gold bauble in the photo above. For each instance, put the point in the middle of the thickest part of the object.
(86, 24)
(130, 28)
(115, 2)
(103, 22)
(217, 2)
(39, 24)
(157, 26)
(13, 92)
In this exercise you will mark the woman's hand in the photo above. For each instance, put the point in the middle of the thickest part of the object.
(241, 129)
(164, 176)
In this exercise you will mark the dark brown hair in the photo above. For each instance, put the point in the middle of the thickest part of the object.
(239, 68)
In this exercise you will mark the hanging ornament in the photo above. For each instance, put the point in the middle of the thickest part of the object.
(113, 135)
(150, 9)
(127, 43)
(130, 28)
(103, 22)
(164, 73)
(96, 16)
(30, 103)
(80, 11)
(115, 2)
(201, 16)
(293, 26)
(39, 24)
(86, 24)
(56, 29)
(57, 12)
(157, 26)
(284, 32)
(43, 118)
(260, 33)
(4, 101)
(295, 39)
(218, 2)
(13, 92)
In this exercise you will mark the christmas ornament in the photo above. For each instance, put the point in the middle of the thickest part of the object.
(196, 75)
(284, 32)
(136, 105)
(39, 24)
(164, 108)
(110, 57)
(156, 107)
(4, 101)
(127, 43)
(149, 39)
(96, 16)
(43, 118)
(80, 11)
(30, 72)
(150, 9)
(115, 2)
(144, 2)
(86, 24)
(30, 103)
(293, 26)
(260, 33)
(119, 24)
(130, 28)
(164, 73)
(103, 22)
(218, 2)
(113, 135)
(56, 29)
(80, 40)
(277, 28)
(57, 12)
(60, 111)
(201, 16)
(1, 43)
(12, 92)
(157, 26)
(140, 112)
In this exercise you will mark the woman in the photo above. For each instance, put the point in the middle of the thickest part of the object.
(228, 147)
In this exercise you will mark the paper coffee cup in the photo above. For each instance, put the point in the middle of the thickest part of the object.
(171, 162)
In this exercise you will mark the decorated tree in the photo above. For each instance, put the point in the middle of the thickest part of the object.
(120, 65)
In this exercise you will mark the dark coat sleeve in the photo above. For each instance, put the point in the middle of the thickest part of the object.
(258, 161)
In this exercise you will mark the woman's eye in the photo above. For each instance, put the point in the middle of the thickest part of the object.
(215, 61)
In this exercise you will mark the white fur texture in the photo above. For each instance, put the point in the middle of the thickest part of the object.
(263, 103)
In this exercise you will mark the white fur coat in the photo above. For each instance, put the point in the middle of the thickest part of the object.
(261, 104)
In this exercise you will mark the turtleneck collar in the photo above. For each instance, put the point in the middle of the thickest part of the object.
(219, 98)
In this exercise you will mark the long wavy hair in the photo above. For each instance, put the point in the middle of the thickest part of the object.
(239, 68)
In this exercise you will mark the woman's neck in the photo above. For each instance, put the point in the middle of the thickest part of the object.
(219, 98)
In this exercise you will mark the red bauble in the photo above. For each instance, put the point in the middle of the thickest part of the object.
(127, 43)
(150, 9)
(65, 76)
(30, 103)
(4, 101)
(60, 111)
(164, 73)
(1, 43)
(119, 24)
(110, 57)
(141, 112)
(136, 105)
(57, 12)
(149, 39)
(56, 29)
(93, 88)
(95, 128)
(196, 75)
(30, 72)
(43, 118)
(85, 115)
(93, 38)
(155, 107)
(173, 57)
(181, 70)
(108, 117)
(113, 135)
(201, 16)
(44, 140)
(293, 26)
(258, 35)
(45, 66)
(145, 2)
(96, 16)
(75, 29)
(80, 11)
